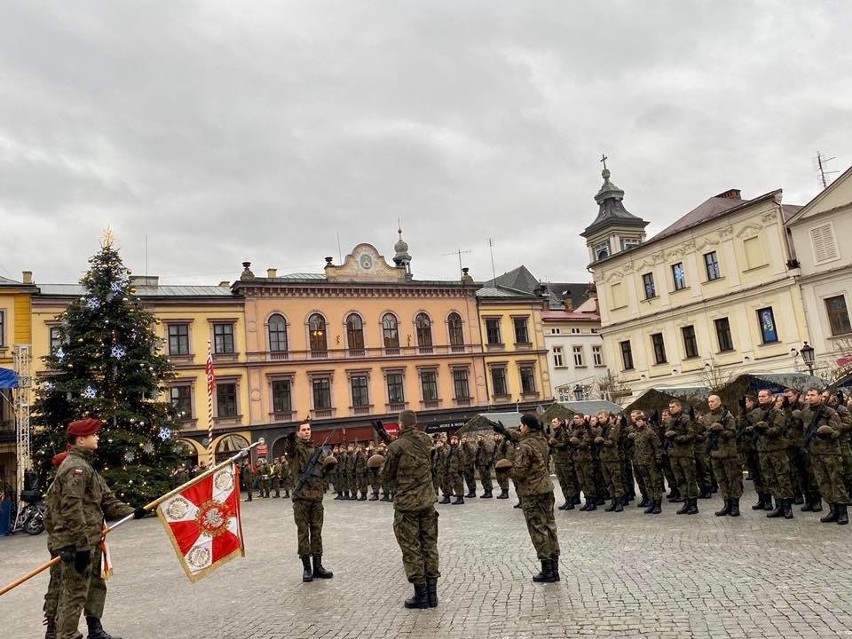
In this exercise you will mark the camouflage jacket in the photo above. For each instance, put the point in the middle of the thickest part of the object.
(485, 454)
(78, 501)
(772, 438)
(300, 453)
(407, 467)
(610, 450)
(647, 448)
(559, 444)
(683, 444)
(821, 445)
(721, 444)
(530, 470)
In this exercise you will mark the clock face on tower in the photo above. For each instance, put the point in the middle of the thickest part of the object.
(366, 262)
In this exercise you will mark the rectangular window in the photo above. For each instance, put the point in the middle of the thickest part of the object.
(498, 381)
(181, 398)
(555, 331)
(575, 331)
(460, 384)
(711, 263)
(824, 244)
(629, 243)
(521, 334)
(723, 334)
(678, 276)
(648, 284)
(558, 360)
(282, 399)
(527, 379)
(838, 316)
(579, 359)
(396, 388)
(223, 339)
(690, 343)
(321, 387)
(226, 399)
(492, 331)
(626, 355)
(178, 339)
(429, 386)
(2, 328)
(659, 348)
(597, 355)
(360, 393)
(55, 338)
(768, 330)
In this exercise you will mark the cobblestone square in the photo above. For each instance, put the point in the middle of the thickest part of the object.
(623, 575)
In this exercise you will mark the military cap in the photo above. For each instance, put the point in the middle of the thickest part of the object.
(502, 464)
(84, 427)
(375, 461)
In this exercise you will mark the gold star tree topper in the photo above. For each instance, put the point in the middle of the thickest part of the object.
(108, 238)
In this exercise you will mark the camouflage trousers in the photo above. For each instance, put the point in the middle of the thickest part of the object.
(308, 516)
(613, 475)
(470, 479)
(683, 469)
(503, 479)
(703, 470)
(79, 592)
(417, 535)
(565, 475)
(652, 479)
(828, 470)
(485, 478)
(360, 483)
(846, 455)
(775, 468)
(586, 477)
(456, 484)
(541, 524)
(630, 480)
(729, 475)
(751, 460)
(373, 476)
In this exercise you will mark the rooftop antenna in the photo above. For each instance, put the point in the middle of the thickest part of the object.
(459, 253)
(491, 248)
(146, 257)
(821, 162)
(339, 252)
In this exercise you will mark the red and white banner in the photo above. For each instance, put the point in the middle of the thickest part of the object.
(203, 523)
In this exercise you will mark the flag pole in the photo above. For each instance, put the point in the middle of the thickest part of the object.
(211, 386)
(150, 506)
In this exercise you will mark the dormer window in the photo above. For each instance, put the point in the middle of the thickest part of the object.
(629, 243)
(601, 251)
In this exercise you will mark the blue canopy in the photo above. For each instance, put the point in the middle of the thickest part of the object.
(8, 379)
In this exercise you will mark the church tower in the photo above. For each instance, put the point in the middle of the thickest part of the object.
(614, 229)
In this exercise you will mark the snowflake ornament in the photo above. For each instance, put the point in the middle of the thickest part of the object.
(89, 393)
(116, 287)
(165, 434)
(94, 303)
(48, 386)
(60, 354)
(118, 351)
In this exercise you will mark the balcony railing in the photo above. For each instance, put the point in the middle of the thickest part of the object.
(371, 353)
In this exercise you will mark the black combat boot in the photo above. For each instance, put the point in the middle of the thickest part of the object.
(504, 493)
(518, 505)
(445, 500)
(650, 508)
(546, 575)
(779, 509)
(787, 506)
(618, 505)
(812, 505)
(374, 496)
(386, 497)
(798, 499)
(570, 505)
(761, 502)
(685, 508)
(657, 507)
(832, 514)
(420, 598)
(564, 505)
(611, 506)
(338, 496)
(705, 493)
(307, 571)
(319, 571)
(675, 496)
(591, 504)
(459, 501)
(817, 505)
(735, 507)
(432, 591)
(554, 566)
(471, 494)
(842, 515)
(363, 496)
(600, 500)
(726, 510)
(96, 630)
(50, 628)
(767, 503)
(645, 503)
(486, 495)
(693, 507)
(286, 494)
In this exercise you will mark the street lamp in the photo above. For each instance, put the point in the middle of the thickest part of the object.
(807, 352)
(578, 393)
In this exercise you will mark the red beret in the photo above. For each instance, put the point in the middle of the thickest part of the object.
(59, 458)
(84, 427)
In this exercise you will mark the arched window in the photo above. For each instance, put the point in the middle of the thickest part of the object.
(277, 328)
(319, 343)
(390, 331)
(355, 334)
(423, 325)
(454, 324)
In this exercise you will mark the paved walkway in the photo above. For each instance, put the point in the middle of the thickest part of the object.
(623, 575)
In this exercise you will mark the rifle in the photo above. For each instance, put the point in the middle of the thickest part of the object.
(811, 431)
(312, 468)
(381, 432)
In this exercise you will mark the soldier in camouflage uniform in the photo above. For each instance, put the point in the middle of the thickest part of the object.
(722, 448)
(800, 476)
(284, 476)
(822, 442)
(351, 480)
(563, 463)
(468, 457)
(703, 465)
(612, 463)
(503, 450)
(455, 464)
(265, 470)
(247, 474)
(360, 466)
(769, 423)
(835, 402)
(647, 459)
(532, 476)
(658, 424)
(342, 473)
(747, 447)
(680, 432)
(51, 597)
(582, 439)
(443, 449)
(374, 467)
(415, 522)
(308, 491)
(332, 476)
(78, 502)
(276, 477)
(484, 459)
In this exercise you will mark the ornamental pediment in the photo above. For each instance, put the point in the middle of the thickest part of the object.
(364, 264)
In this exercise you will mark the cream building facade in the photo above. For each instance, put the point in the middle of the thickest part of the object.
(711, 296)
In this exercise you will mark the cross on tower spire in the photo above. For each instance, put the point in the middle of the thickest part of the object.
(604, 158)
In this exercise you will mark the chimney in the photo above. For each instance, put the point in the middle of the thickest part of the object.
(28, 277)
(568, 303)
(246, 274)
(466, 278)
(730, 194)
(271, 272)
(225, 284)
(148, 281)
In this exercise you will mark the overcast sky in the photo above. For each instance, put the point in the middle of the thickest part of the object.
(228, 131)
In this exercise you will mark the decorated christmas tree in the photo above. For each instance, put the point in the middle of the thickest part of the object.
(110, 365)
